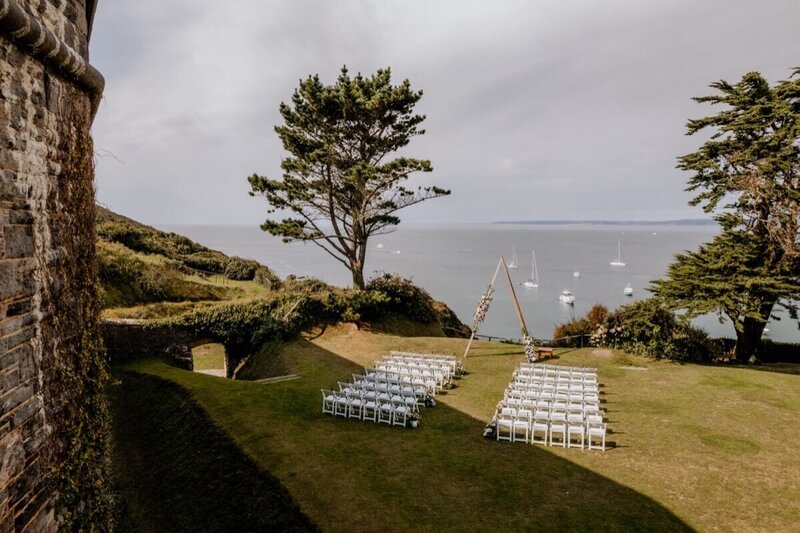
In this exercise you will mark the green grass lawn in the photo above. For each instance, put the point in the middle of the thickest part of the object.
(702, 447)
(208, 357)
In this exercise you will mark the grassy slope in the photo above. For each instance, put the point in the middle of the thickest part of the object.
(176, 471)
(700, 447)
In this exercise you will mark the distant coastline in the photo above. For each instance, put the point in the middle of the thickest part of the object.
(679, 222)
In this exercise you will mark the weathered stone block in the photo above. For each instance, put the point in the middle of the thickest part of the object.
(15, 398)
(25, 411)
(19, 241)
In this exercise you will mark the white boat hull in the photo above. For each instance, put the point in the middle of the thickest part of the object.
(531, 285)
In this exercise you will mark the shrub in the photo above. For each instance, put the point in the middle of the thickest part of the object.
(647, 328)
(405, 297)
(182, 250)
(240, 269)
(264, 276)
(127, 280)
(575, 328)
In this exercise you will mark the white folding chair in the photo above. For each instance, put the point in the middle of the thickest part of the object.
(541, 425)
(504, 427)
(598, 431)
(521, 423)
(355, 405)
(341, 405)
(328, 402)
(370, 411)
(558, 426)
(386, 413)
(400, 414)
(575, 428)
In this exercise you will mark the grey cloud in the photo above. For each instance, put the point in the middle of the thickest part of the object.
(557, 108)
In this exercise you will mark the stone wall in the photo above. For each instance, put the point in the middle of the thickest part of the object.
(51, 377)
(131, 339)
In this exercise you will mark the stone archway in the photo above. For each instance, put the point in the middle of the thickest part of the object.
(127, 339)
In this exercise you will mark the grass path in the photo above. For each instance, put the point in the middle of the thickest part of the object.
(699, 447)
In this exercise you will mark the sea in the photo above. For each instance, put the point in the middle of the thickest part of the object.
(455, 263)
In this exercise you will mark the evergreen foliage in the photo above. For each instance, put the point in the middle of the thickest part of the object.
(648, 328)
(127, 280)
(184, 252)
(244, 326)
(748, 173)
(340, 183)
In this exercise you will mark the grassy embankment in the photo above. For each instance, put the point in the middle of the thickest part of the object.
(699, 447)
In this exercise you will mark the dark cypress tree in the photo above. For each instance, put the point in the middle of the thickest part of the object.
(748, 174)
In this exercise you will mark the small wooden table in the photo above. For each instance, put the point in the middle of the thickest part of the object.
(544, 353)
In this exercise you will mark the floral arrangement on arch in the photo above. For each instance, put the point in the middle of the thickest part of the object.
(530, 347)
(483, 307)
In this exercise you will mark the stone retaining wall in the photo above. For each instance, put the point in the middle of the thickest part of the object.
(130, 339)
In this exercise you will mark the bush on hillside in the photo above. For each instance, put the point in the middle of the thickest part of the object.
(240, 269)
(182, 250)
(126, 280)
(405, 297)
(647, 328)
(569, 333)
(575, 332)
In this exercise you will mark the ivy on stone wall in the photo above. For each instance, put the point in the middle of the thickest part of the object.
(75, 391)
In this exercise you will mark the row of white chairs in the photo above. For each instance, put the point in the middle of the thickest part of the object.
(549, 396)
(444, 375)
(560, 387)
(442, 361)
(442, 368)
(394, 412)
(559, 368)
(553, 405)
(435, 384)
(418, 355)
(529, 403)
(375, 388)
(573, 429)
(576, 378)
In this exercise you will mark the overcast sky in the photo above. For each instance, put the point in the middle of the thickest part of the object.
(546, 109)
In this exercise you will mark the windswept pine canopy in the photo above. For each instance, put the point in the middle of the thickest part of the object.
(750, 167)
(748, 173)
(342, 182)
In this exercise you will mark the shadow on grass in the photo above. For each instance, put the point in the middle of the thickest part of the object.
(442, 476)
(177, 471)
(778, 368)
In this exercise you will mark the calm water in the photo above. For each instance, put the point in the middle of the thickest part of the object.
(456, 263)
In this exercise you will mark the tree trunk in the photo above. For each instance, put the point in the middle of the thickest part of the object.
(357, 269)
(748, 339)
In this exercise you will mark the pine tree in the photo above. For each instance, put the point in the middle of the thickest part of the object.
(340, 182)
(748, 174)
(734, 276)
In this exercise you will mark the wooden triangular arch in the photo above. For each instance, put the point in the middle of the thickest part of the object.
(517, 308)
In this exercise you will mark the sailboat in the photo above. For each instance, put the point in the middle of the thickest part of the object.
(628, 290)
(533, 282)
(513, 263)
(618, 262)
